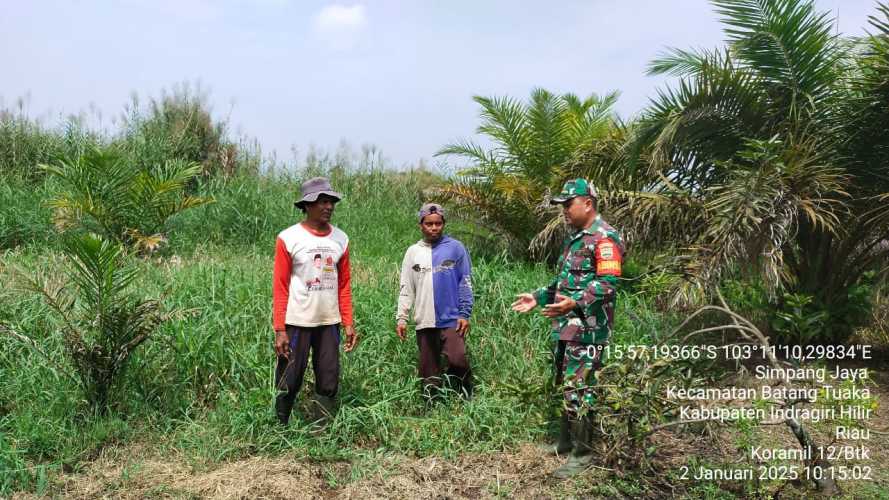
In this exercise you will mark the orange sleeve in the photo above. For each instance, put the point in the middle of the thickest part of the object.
(344, 287)
(280, 285)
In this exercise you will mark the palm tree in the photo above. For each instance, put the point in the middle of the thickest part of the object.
(504, 186)
(101, 192)
(100, 315)
(770, 155)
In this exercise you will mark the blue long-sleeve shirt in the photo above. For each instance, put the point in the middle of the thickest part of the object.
(436, 283)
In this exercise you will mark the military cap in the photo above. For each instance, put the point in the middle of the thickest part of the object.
(573, 188)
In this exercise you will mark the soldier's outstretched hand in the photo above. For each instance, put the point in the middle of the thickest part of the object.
(524, 303)
(562, 306)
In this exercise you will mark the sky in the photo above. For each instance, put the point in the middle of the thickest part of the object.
(298, 73)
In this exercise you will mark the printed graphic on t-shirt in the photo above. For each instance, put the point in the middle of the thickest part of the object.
(323, 269)
(446, 265)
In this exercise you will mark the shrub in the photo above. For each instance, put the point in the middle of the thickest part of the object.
(798, 320)
(177, 126)
(877, 330)
(25, 143)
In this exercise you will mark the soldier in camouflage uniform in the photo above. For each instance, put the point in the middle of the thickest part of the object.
(581, 302)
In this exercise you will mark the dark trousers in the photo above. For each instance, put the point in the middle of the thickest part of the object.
(433, 342)
(324, 342)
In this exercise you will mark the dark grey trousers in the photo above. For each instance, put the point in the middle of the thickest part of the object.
(324, 343)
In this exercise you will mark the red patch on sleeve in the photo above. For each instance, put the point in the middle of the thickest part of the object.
(608, 258)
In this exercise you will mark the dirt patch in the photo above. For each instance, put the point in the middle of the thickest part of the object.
(524, 473)
(152, 478)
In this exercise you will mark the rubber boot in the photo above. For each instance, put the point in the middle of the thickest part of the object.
(323, 409)
(564, 444)
(461, 386)
(582, 455)
(283, 411)
(283, 419)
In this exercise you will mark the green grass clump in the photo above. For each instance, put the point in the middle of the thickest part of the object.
(24, 218)
(25, 142)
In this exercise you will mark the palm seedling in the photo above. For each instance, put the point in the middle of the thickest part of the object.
(101, 192)
(100, 321)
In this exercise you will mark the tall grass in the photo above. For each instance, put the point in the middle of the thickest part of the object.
(179, 124)
(24, 218)
(203, 385)
(26, 142)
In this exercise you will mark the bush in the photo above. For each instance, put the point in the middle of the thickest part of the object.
(798, 320)
(25, 143)
(177, 126)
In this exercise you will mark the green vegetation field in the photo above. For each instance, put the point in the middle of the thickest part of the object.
(203, 385)
(201, 390)
(759, 182)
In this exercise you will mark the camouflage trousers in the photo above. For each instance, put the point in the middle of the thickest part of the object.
(576, 365)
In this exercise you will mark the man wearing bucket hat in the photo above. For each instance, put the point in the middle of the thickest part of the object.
(312, 298)
(435, 282)
(580, 300)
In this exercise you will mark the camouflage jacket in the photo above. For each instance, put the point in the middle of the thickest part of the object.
(588, 270)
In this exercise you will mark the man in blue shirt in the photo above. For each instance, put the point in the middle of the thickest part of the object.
(435, 282)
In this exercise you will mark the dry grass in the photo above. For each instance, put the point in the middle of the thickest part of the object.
(131, 472)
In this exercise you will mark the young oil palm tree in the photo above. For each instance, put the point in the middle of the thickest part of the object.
(101, 192)
(770, 155)
(503, 187)
(100, 319)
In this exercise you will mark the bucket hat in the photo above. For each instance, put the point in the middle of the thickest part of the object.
(313, 188)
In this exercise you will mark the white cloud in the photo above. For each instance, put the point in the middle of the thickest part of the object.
(339, 27)
(339, 18)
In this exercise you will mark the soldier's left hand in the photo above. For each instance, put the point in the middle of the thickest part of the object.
(561, 307)
(462, 327)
